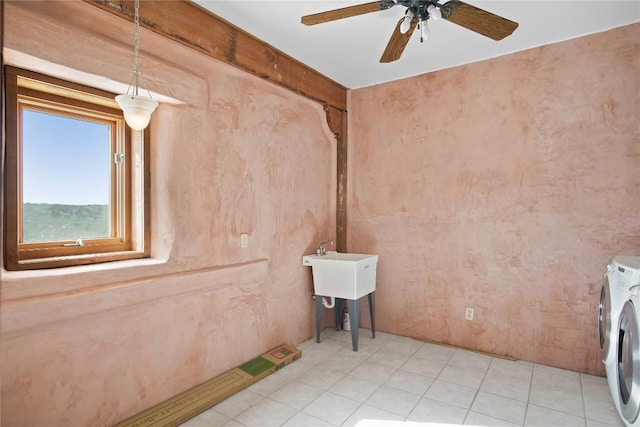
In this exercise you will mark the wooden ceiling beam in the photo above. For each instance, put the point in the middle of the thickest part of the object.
(189, 24)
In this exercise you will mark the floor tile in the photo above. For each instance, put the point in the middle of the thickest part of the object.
(451, 393)
(585, 378)
(306, 344)
(208, 418)
(238, 403)
(366, 345)
(406, 346)
(366, 412)
(294, 370)
(471, 377)
(343, 361)
(321, 377)
(354, 388)
(471, 360)
(392, 378)
(477, 419)
(429, 410)
(393, 400)
(408, 381)
(332, 408)
(385, 338)
(499, 407)
(270, 384)
(555, 379)
(595, 387)
(544, 417)
(388, 358)
(317, 352)
(427, 368)
(511, 368)
(555, 371)
(594, 423)
(506, 386)
(558, 400)
(437, 353)
(296, 394)
(266, 413)
(342, 336)
(363, 353)
(602, 411)
(305, 420)
(373, 372)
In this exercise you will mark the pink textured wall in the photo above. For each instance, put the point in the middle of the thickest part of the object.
(231, 154)
(506, 186)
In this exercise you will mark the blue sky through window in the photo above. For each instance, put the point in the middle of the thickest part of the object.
(65, 160)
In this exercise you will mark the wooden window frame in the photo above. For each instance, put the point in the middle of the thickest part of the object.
(129, 180)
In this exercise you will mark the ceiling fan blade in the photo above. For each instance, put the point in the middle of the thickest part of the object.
(346, 12)
(478, 20)
(397, 43)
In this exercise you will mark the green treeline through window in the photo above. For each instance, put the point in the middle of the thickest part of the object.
(52, 222)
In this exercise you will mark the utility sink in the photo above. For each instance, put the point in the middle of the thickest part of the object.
(342, 275)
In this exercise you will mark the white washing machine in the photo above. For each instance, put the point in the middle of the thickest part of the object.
(612, 298)
(628, 360)
(620, 336)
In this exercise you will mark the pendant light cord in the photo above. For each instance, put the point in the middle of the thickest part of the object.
(137, 109)
(136, 43)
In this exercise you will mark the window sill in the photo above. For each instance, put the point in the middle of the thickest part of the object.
(76, 260)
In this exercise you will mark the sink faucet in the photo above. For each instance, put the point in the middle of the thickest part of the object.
(321, 250)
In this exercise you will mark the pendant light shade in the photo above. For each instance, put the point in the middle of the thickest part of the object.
(137, 110)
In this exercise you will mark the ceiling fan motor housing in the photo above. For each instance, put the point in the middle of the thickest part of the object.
(420, 8)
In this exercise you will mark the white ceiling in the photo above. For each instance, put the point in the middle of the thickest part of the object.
(348, 50)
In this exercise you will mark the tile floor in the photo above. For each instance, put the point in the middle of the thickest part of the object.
(399, 379)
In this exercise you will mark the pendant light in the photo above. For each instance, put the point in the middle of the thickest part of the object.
(137, 108)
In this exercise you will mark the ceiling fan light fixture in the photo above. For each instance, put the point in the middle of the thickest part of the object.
(406, 21)
(434, 12)
(424, 31)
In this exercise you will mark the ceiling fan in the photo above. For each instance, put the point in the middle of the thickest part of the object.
(416, 15)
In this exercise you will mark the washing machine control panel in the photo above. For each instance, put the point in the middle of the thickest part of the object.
(626, 276)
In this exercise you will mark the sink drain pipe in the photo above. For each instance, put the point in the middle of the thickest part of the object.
(329, 304)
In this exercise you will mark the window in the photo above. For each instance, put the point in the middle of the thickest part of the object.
(76, 184)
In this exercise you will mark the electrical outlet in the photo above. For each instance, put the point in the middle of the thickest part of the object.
(468, 314)
(244, 240)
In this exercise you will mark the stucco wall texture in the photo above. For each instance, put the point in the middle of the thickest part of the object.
(505, 186)
(89, 346)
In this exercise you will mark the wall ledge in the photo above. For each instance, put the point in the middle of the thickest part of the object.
(28, 312)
